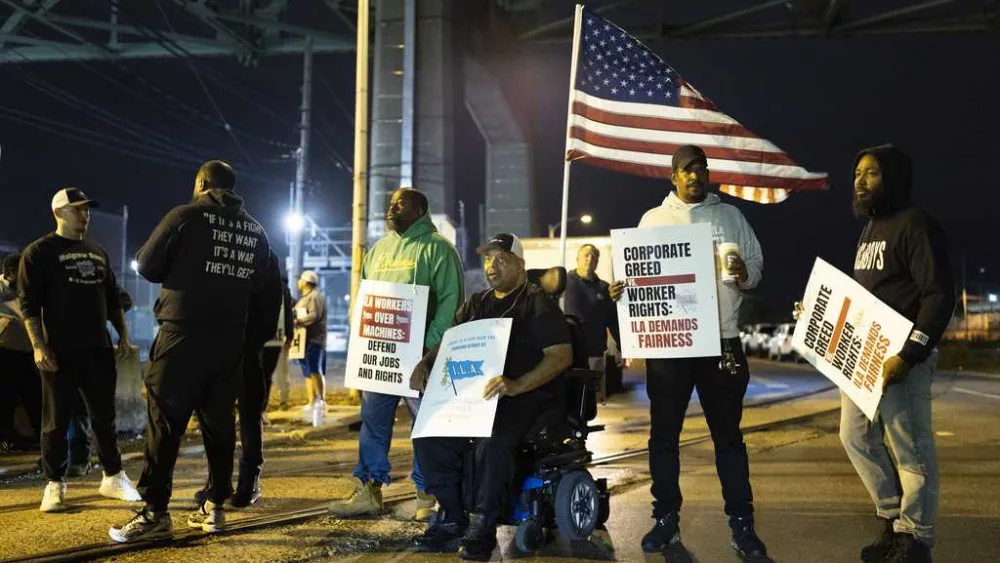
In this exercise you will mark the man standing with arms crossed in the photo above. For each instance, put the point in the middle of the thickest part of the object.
(211, 257)
(721, 382)
(902, 258)
(412, 253)
(68, 293)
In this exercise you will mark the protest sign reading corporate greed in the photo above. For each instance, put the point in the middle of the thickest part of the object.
(387, 337)
(669, 308)
(847, 334)
(470, 355)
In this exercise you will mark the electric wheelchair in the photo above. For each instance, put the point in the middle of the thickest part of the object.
(552, 488)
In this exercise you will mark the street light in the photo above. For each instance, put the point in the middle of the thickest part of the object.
(586, 219)
(135, 265)
(294, 222)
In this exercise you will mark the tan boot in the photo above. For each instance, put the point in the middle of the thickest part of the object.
(426, 507)
(366, 500)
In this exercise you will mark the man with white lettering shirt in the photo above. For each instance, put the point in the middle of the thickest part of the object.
(721, 382)
(902, 258)
(211, 258)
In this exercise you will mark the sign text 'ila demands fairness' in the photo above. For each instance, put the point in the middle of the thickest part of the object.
(847, 334)
(388, 337)
(669, 308)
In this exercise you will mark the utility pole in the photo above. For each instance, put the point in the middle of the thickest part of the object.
(302, 168)
(360, 222)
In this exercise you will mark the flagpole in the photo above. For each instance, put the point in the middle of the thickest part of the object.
(569, 123)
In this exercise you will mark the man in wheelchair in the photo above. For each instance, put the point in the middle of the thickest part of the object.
(538, 354)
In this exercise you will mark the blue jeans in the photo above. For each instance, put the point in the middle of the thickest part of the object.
(906, 490)
(378, 412)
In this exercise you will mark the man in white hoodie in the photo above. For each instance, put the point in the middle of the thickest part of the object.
(721, 381)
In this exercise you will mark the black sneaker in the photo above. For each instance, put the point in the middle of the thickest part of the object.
(480, 539)
(908, 549)
(745, 542)
(145, 525)
(665, 532)
(878, 549)
(441, 537)
(248, 491)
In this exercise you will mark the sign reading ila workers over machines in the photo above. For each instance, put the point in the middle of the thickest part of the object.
(387, 337)
(453, 405)
(847, 334)
(669, 308)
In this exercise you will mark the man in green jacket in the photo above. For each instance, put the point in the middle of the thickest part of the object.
(412, 253)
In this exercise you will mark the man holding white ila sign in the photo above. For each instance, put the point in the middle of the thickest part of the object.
(721, 380)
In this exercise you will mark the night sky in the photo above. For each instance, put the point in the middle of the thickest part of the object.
(820, 100)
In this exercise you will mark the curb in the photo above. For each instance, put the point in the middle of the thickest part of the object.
(276, 440)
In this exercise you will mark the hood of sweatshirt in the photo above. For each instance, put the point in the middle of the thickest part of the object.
(220, 198)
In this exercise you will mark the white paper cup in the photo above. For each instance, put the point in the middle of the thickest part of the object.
(726, 251)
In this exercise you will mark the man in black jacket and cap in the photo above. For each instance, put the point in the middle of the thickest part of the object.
(902, 258)
(211, 258)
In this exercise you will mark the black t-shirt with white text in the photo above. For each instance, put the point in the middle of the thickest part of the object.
(538, 324)
(69, 284)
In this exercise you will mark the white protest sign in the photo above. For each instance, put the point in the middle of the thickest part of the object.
(387, 337)
(669, 308)
(297, 350)
(847, 334)
(470, 355)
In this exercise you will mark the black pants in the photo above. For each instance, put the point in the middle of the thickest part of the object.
(78, 435)
(21, 380)
(191, 373)
(442, 459)
(253, 392)
(669, 384)
(89, 373)
(269, 357)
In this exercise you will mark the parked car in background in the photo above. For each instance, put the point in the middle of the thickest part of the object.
(759, 338)
(779, 346)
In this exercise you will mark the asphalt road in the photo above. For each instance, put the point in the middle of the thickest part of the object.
(811, 506)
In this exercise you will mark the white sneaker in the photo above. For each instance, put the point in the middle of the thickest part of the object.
(318, 413)
(209, 518)
(119, 487)
(52, 500)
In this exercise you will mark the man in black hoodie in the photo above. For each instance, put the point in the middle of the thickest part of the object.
(211, 258)
(902, 258)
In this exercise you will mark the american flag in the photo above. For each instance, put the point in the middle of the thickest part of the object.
(630, 111)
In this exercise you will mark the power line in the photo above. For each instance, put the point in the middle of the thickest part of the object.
(336, 99)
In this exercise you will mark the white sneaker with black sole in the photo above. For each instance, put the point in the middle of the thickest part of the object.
(52, 499)
(145, 525)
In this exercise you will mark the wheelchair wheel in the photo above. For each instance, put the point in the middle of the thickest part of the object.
(530, 536)
(577, 505)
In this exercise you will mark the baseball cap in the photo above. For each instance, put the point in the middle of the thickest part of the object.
(67, 197)
(310, 276)
(506, 242)
(686, 155)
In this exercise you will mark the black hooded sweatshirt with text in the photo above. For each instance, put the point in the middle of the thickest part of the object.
(902, 257)
(211, 256)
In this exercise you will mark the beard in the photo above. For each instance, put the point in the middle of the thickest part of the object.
(866, 205)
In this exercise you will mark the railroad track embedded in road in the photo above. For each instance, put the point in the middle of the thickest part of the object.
(187, 535)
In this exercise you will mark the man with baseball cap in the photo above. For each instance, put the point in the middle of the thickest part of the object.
(68, 293)
(310, 312)
(721, 381)
(538, 353)
(211, 258)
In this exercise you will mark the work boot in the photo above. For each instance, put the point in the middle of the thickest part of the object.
(908, 549)
(745, 542)
(145, 525)
(444, 535)
(665, 532)
(426, 507)
(208, 518)
(366, 500)
(480, 539)
(878, 549)
(248, 490)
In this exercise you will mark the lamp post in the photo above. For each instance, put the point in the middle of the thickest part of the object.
(586, 219)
